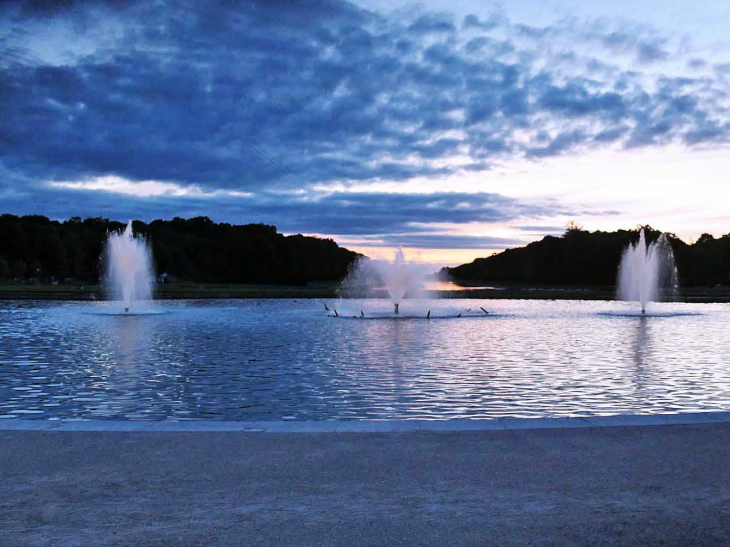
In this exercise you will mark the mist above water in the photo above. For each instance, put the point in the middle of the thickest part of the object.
(647, 270)
(129, 274)
(400, 278)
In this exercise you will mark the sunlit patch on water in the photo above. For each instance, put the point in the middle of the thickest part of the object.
(277, 359)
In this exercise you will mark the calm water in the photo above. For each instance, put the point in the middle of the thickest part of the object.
(284, 359)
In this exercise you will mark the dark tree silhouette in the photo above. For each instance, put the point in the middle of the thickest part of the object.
(195, 249)
(587, 258)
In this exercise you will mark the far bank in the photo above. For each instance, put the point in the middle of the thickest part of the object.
(190, 291)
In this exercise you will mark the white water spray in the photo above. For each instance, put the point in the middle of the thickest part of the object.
(129, 274)
(645, 269)
(399, 277)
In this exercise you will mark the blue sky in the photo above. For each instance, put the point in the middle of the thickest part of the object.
(452, 129)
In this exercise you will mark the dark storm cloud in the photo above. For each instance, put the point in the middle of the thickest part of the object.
(397, 219)
(472, 21)
(433, 23)
(575, 99)
(557, 145)
(261, 96)
(250, 95)
(644, 45)
(402, 214)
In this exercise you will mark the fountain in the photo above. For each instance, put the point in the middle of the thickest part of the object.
(399, 278)
(129, 274)
(645, 269)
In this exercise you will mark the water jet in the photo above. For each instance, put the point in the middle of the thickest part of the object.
(129, 274)
(399, 278)
(646, 269)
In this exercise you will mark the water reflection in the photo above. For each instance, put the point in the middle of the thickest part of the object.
(641, 348)
(132, 339)
(642, 342)
(276, 360)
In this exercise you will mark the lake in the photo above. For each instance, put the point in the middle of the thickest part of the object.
(290, 360)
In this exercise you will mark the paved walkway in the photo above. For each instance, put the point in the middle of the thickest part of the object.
(632, 485)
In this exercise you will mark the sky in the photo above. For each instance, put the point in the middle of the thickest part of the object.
(453, 130)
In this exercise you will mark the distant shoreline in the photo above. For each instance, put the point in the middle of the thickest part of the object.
(202, 291)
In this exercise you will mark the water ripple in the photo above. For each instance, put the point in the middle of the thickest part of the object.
(279, 359)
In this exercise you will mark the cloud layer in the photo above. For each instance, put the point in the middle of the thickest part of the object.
(372, 218)
(263, 97)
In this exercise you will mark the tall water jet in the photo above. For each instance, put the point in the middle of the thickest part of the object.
(646, 269)
(129, 274)
(400, 278)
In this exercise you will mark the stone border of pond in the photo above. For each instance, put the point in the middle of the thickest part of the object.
(364, 426)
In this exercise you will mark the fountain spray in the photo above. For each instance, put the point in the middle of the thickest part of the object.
(399, 277)
(645, 269)
(129, 274)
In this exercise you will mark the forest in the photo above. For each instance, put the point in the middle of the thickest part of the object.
(37, 249)
(587, 258)
(196, 249)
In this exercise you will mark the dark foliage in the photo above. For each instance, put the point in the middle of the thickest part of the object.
(592, 258)
(196, 249)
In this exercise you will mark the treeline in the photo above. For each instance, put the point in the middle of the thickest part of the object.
(196, 249)
(587, 258)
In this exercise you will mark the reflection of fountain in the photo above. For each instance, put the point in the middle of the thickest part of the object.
(642, 342)
(645, 269)
(132, 339)
(642, 347)
(400, 278)
(128, 267)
